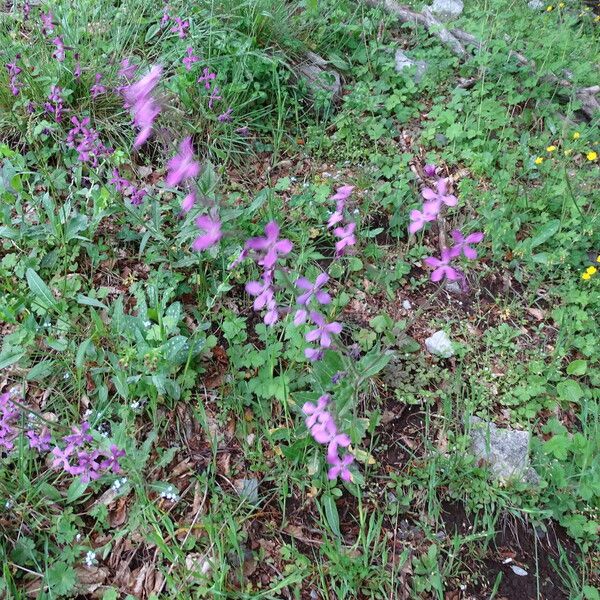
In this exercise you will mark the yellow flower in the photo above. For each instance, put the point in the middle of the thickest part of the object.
(539, 160)
(568, 151)
(550, 148)
(576, 135)
(549, 8)
(561, 5)
(586, 276)
(591, 270)
(598, 258)
(592, 155)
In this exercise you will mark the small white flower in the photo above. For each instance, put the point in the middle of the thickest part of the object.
(90, 558)
(8, 504)
(406, 305)
(66, 375)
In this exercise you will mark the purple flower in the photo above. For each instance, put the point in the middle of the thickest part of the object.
(26, 10)
(127, 70)
(442, 267)
(337, 377)
(270, 246)
(79, 436)
(143, 107)
(313, 354)
(165, 18)
(243, 131)
(214, 97)
(138, 196)
(313, 411)
(206, 77)
(188, 203)
(189, 59)
(47, 25)
(61, 458)
(8, 417)
(440, 195)
(461, 244)
(429, 170)
(182, 166)
(55, 106)
(13, 72)
(119, 182)
(88, 466)
(212, 232)
(340, 467)
(181, 27)
(419, 218)
(346, 238)
(313, 290)
(264, 297)
(343, 192)
(39, 441)
(97, 89)
(77, 70)
(112, 460)
(323, 331)
(226, 116)
(324, 430)
(59, 53)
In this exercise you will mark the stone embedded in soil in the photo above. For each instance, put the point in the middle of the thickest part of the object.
(447, 9)
(439, 344)
(247, 489)
(403, 61)
(505, 450)
(535, 4)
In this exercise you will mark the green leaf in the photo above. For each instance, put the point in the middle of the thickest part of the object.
(331, 514)
(39, 289)
(76, 490)
(569, 390)
(61, 578)
(152, 31)
(544, 233)
(11, 357)
(40, 371)
(88, 301)
(577, 367)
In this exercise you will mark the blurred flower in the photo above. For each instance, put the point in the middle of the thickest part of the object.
(59, 53)
(97, 89)
(430, 170)
(212, 232)
(189, 59)
(591, 155)
(226, 116)
(576, 135)
(550, 148)
(441, 195)
(182, 166)
(346, 238)
(181, 27)
(539, 160)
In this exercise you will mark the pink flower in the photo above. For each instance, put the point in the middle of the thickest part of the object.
(462, 244)
(323, 331)
(112, 460)
(313, 411)
(343, 192)
(189, 59)
(47, 25)
(182, 166)
(347, 238)
(418, 218)
(442, 267)
(127, 70)
(180, 27)
(97, 89)
(440, 196)
(340, 467)
(270, 246)
(226, 116)
(206, 78)
(212, 232)
(313, 291)
(79, 436)
(429, 170)
(59, 53)
(188, 202)
(143, 107)
(39, 441)
(61, 457)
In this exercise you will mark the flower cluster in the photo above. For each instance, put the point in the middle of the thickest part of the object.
(86, 141)
(266, 252)
(47, 23)
(144, 108)
(125, 187)
(97, 89)
(590, 271)
(8, 418)
(189, 59)
(323, 429)
(180, 27)
(54, 105)
(59, 53)
(435, 199)
(182, 167)
(79, 458)
(344, 233)
(13, 72)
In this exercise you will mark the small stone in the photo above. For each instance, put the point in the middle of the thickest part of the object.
(406, 305)
(518, 571)
(447, 9)
(248, 489)
(453, 287)
(505, 450)
(535, 4)
(403, 61)
(439, 344)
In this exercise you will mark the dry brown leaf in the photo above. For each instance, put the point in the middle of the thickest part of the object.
(118, 513)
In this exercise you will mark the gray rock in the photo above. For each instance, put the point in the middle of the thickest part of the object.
(453, 287)
(247, 489)
(439, 344)
(403, 61)
(447, 9)
(535, 4)
(505, 450)
(319, 75)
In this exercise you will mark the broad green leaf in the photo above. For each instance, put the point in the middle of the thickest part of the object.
(544, 233)
(331, 514)
(88, 301)
(577, 367)
(39, 289)
(11, 357)
(569, 390)
(76, 490)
